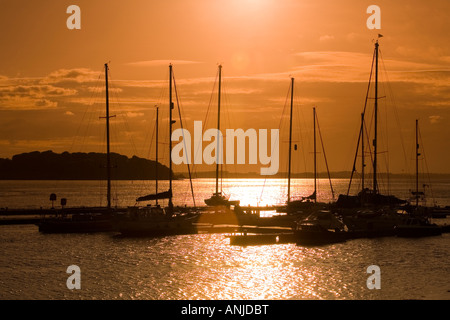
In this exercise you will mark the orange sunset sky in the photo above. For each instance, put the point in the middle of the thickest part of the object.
(52, 81)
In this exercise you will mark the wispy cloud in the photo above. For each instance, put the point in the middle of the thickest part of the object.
(78, 75)
(435, 119)
(134, 114)
(32, 96)
(341, 66)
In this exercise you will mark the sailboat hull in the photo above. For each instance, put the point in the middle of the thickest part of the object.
(408, 231)
(151, 229)
(319, 236)
(154, 226)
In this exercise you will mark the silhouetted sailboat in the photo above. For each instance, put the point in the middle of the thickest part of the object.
(310, 203)
(155, 221)
(157, 195)
(219, 198)
(304, 205)
(418, 223)
(370, 213)
(87, 220)
(369, 197)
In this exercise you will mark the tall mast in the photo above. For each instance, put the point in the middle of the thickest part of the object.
(417, 163)
(170, 139)
(315, 156)
(375, 144)
(362, 151)
(108, 159)
(290, 142)
(156, 165)
(218, 130)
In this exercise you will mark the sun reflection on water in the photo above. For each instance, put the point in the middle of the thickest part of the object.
(262, 192)
(206, 267)
(221, 271)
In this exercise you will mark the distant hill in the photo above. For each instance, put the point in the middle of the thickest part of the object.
(78, 166)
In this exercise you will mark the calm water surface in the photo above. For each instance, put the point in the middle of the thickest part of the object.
(33, 265)
(35, 194)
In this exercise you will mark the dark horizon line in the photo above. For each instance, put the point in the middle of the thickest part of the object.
(252, 174)
(323, 174)
(237, 176)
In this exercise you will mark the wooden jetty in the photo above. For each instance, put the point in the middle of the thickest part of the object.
(261, 239)
(34, 216)
(246, 235)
